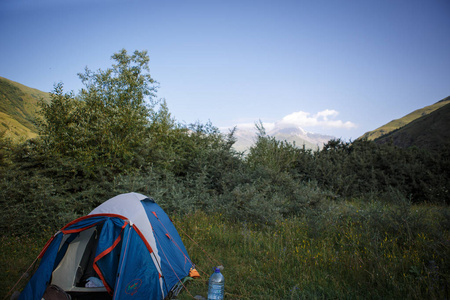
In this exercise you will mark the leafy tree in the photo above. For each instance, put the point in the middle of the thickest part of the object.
(165, 137)
(108, 121)
(270, 153)
(118, 104)
(60, 118)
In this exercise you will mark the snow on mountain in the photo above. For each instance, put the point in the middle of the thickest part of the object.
(246, 136)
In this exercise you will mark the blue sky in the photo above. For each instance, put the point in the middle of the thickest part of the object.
(331, 67)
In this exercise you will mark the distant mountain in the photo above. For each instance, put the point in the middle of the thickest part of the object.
(245, 137)
(430, 131)
(398, 123)
(18, 106)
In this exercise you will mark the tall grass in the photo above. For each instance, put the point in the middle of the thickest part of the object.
(346, 250)
(16, 256)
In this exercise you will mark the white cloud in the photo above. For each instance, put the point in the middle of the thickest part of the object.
(326, 113)
(325, 118)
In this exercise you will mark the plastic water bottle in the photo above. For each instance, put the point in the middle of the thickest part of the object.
(216, 289)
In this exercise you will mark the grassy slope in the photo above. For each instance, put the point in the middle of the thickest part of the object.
(398, 123)
(430, 131)
(18, 106)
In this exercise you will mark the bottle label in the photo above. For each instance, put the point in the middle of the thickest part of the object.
(215, 292)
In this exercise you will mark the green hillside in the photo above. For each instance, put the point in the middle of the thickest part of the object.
(430, 131)
(18, 106)
(398, 123)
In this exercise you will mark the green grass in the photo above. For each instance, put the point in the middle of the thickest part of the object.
(398, 123)
(349, 250)
(345, 253)
(18, 106)
(16, 255)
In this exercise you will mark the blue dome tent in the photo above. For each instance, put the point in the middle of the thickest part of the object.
(126, 248)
